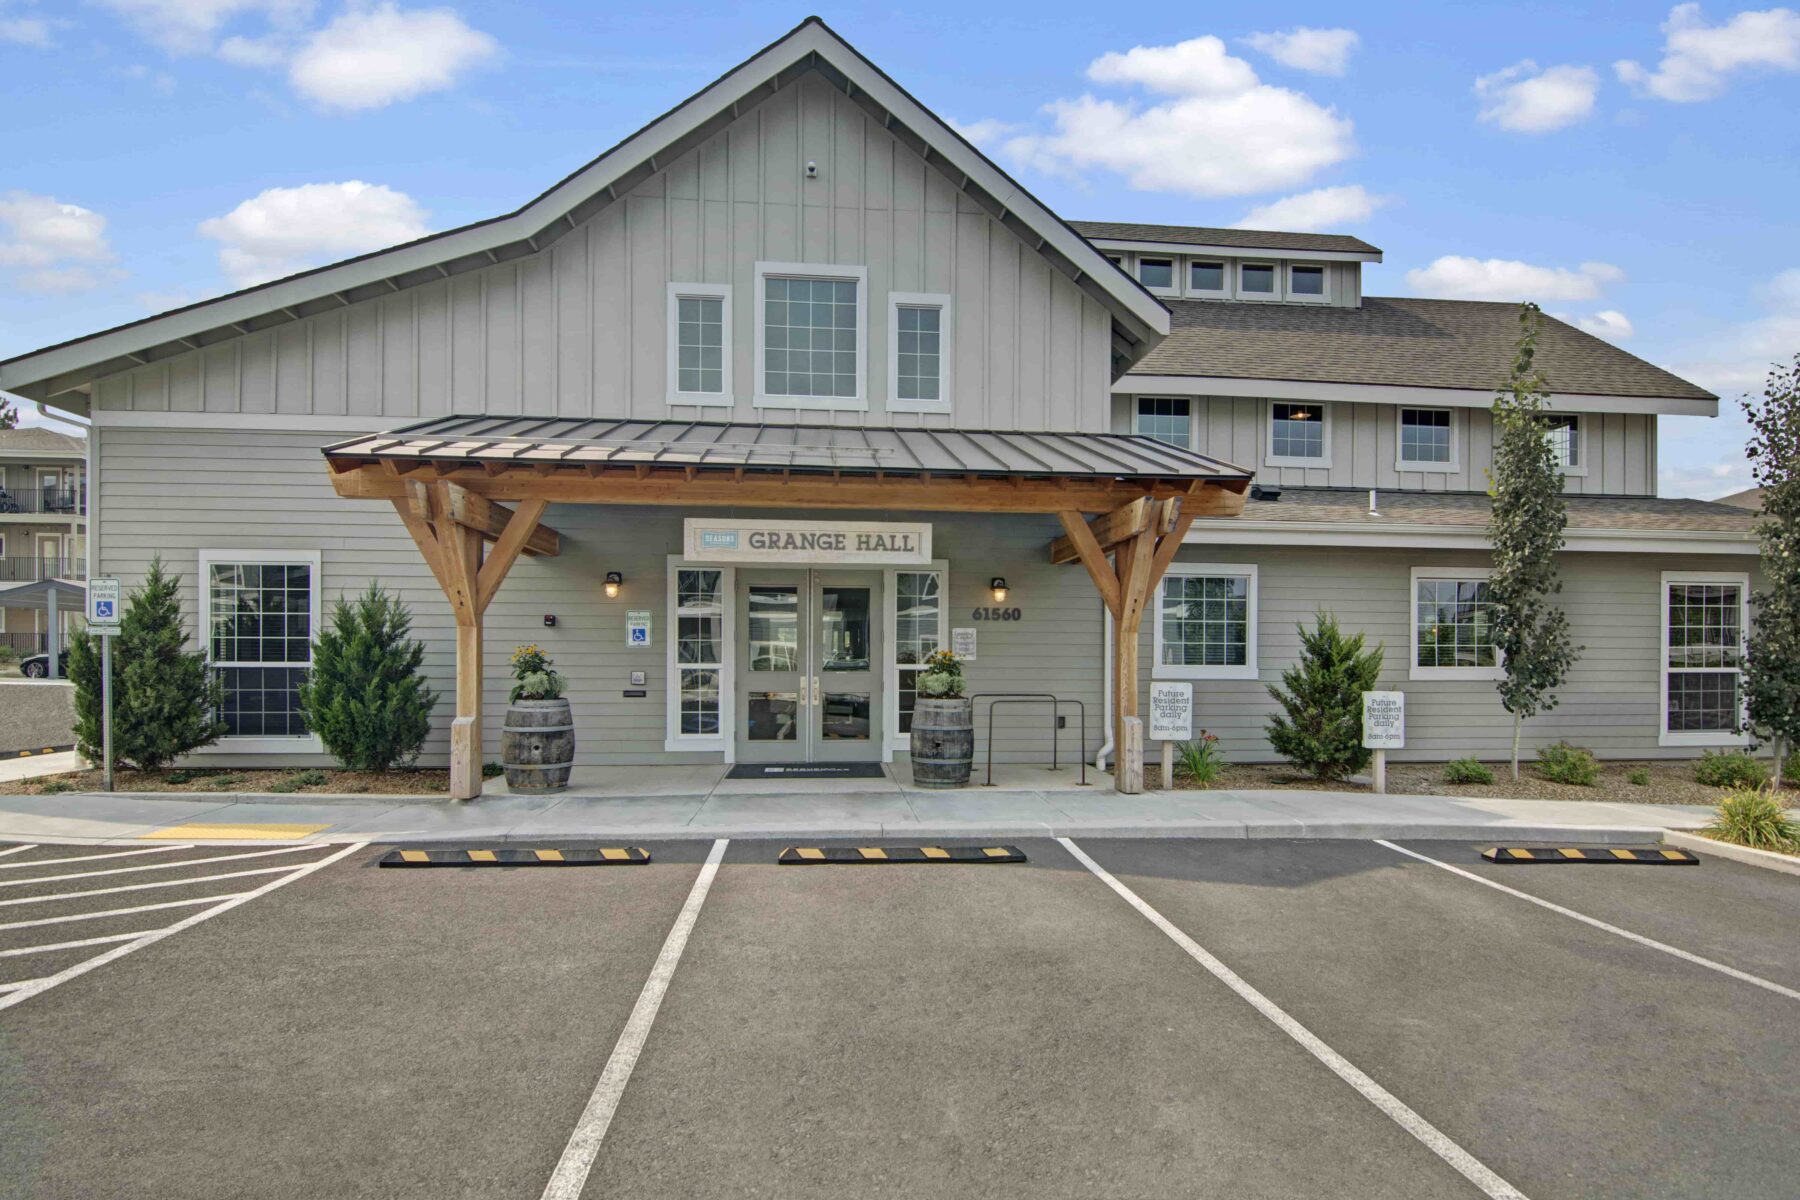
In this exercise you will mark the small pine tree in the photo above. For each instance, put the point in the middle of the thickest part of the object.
(364, 696)
(9, 414)
(1772, 666)
(1322, 697)
(165, 700)
(1531, 635)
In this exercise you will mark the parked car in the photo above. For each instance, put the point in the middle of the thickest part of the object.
(38, 665)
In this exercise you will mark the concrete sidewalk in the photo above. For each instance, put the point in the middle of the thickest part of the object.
(818, 810)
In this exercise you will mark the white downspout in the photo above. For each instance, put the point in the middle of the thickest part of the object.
(1106, 637)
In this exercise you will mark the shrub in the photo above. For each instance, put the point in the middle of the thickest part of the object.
(1201, 760)
(1754, 817)
(1638, 777)
(165, 700)
(1321, 697)
(1563, 763)
(1729, 769)
(311, 777)
(364, 697)
(1467, 770)
(55, 787)
(284, 786)
(492, 770)
(532, 677)
(8, 654)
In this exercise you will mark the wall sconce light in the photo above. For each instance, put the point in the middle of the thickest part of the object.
(998, 584)
(614, 581)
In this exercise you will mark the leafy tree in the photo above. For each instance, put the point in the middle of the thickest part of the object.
(1772, 666)
(364, 696)
(9, 413)
(1530, 633)
(165, 700)
(1321, 696)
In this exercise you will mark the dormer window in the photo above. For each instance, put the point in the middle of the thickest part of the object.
(1157, 274)
(1257, 280)
(1206, 277)
(1306, 282)
(1298, 435)
(1564, 433)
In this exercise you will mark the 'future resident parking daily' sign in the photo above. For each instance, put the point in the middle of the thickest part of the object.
(869, 543)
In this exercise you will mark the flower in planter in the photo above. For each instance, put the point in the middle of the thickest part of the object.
(533, 677)
(942, 678)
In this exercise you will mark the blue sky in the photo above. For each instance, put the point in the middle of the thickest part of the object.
(159, 151)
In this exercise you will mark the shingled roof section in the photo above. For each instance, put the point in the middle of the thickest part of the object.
(1199, 235)
(1396, 341)
(1470, 510)
(33, 439)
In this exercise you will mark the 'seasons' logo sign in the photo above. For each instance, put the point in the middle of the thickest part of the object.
(872, 543)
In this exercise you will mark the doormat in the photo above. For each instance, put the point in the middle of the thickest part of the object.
(806, 771)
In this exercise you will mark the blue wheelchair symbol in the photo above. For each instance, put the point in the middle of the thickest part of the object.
(103, 609)
(639, 634)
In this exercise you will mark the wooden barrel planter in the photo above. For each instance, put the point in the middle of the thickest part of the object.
(537, 745)
(943, 742)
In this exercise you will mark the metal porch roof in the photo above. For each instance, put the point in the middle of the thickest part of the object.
(769, 447)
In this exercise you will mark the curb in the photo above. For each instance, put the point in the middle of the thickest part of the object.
(1768, 860)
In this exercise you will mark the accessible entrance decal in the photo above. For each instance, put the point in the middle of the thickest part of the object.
(869, 543)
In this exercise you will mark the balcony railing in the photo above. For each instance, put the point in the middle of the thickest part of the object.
(61, 502)
(30, 570)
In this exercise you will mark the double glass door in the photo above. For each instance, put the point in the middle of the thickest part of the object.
(809, 666)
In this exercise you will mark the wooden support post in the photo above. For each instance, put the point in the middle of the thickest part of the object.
(1128, 772)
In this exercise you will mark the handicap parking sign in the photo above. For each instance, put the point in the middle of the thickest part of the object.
(637, 627)
(103, 604)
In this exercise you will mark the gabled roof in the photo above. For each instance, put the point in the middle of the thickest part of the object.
(1470, 510)
(1138, 316)
(32, 439)
(1245, 239)
(1398, 342)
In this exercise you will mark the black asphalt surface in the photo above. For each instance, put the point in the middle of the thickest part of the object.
(864, 1031)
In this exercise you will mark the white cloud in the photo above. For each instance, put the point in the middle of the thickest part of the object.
(1737, 359)
(1608, 323)
(190, 26)
(161, 82)
(1223, 132)
(1705, 480)
(1322, 51)
(1526, 100)
(51, 246)
(371, 57)
(27, 31)
(984, 132)
(270, 51)
(1455, 277)
(1699, 58)
(1323, 208)
(284, 230)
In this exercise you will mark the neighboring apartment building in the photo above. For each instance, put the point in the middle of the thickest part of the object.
(801, 276)
(43, 527)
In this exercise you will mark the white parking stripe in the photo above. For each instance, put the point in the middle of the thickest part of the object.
(57, 862)
(39, 986)
(578, 1156)
(120, 912)
(18, 849)
(141, 887)
(13, 987)
(160, 866)
(51, 947)
(1396, 1110)
(1639, 938)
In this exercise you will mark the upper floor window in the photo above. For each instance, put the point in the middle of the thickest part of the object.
(1297, 435)
(918, 352)
(1564, 433)
(1427, 439)
(1256, 280)
(810, 331)
(1306, 282)
(1167, 419)
(1206, 277)
(1157, 274)
(699, 343)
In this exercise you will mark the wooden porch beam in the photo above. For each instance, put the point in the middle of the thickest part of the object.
(1108, 530)
(520, 528)
(1088, 550)
(475, 511)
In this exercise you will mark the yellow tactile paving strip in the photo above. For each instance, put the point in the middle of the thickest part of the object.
(201, 830)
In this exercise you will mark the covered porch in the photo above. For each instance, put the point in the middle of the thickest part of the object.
(473, 493)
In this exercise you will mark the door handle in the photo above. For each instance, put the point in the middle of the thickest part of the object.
(818, 696)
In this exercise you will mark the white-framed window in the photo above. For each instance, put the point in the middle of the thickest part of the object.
(1121, 261)
(1165, 418)
(1206, 622)
(1427, 440)
(1705, 620)
(1157, 274)
(916, 614)
(1299, 434)
(698, 657)
(1209, 278)
(1259, 281)
(1452, 626)
(812, 329)
(920, 352)
(259, 614)
(1568, 442)
(700, 343)
(1308, 283)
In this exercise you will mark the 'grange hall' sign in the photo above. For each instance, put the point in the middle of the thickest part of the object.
(871, 543)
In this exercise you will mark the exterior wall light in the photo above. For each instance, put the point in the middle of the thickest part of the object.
(998, 584)
(614, 581)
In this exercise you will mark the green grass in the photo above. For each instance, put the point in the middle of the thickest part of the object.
(1467, 770)
(1754, 817)
(1729, 769)
(1563, 763)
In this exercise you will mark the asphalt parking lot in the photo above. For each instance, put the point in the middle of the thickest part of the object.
(1112, 1018)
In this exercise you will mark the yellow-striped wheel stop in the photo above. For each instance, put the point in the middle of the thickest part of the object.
(478, 856)
(798, 856)
(1648, 856)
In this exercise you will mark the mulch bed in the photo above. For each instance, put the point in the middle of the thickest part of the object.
(229, 779)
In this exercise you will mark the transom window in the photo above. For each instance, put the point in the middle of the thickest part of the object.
(1206, 622)
(1206, 276)
(699, 650)
(1565, 440)
(918, 632)
(1256, 279)
(1453, 632)
(1166, 419)
(1297, 432)
(1157, 273)
(1704, 620)
(810, 328)
(1426, 437)
(259, 628)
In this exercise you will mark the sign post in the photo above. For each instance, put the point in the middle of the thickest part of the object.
(1384, 729)
(1171, 721)
(103, 619)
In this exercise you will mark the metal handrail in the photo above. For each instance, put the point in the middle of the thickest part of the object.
(996, 699)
